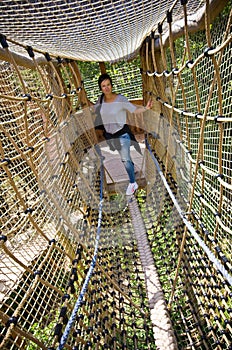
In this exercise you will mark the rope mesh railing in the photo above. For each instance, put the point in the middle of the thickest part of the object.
(50, 184)
(200, 288)
(206, 188)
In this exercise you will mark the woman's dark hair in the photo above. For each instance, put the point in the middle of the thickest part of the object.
(102, 78)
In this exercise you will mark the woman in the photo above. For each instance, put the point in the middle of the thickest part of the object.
(112, 109)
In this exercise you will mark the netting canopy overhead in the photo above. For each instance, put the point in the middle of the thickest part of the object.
(91, 30)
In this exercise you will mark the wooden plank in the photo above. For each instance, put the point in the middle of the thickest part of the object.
(116, 176)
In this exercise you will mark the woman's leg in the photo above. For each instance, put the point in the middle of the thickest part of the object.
(124, 152)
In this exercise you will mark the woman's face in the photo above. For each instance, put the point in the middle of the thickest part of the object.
(106, 86)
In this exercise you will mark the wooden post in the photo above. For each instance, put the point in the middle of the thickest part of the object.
(102, 67)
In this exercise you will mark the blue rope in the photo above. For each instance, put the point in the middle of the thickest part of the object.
(209, 253)
(90, 271)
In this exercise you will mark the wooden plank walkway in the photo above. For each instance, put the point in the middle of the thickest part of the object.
(116, 176)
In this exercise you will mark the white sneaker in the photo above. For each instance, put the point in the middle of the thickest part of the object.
(132, 187)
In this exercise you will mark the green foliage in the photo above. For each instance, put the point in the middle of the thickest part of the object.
(43, 333)
(89, 70)
(125, 75)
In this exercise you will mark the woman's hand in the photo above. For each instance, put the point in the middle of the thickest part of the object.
(143, 109)
(149, 104)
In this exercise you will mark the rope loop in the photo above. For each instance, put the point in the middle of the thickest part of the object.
(198, 115)
(169, 16)
(47, 56)
(166, 73)
(30, 148)
(27, 97)
(160, 28)
(65, 297)
(189, 63)
(3, 41)
(79, 250)
(37, 273)
(221, 176)
(201, 162)
(206, 51)
(28, 211)
(175, 71)
(75, 261)
(12, 320)
(3, 238)
(30, 51)
(58, 329)
(225, 261)
(59, 59)
(6, 160)
(71, 286)
(74, 274)
(216, 118)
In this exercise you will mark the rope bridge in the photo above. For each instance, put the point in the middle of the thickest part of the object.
(82, 266)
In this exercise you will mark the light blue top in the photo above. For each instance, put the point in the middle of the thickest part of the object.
(114, 113)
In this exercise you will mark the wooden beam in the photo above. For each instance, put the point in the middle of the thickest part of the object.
(6, 55)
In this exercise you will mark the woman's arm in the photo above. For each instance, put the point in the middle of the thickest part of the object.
(142, 109)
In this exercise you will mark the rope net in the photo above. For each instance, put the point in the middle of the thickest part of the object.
(83, 267)
(98, 30)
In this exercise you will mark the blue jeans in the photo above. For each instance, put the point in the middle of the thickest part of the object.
(124, 152)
